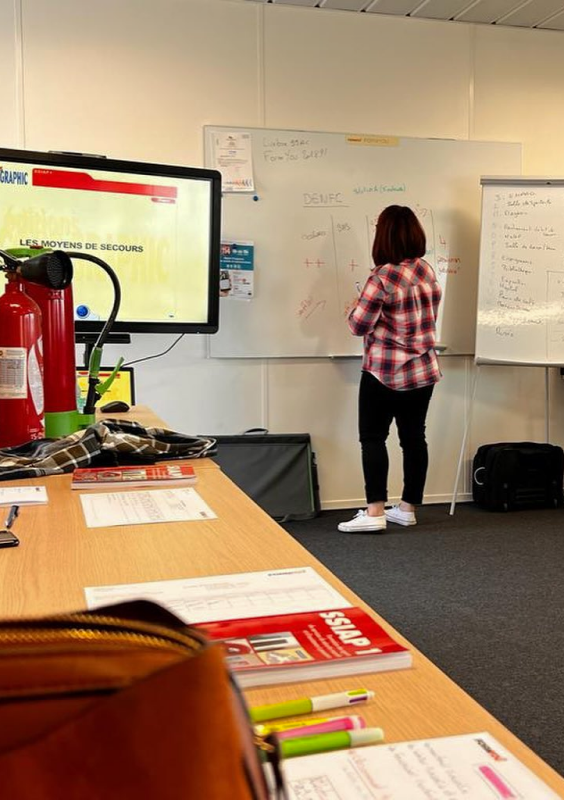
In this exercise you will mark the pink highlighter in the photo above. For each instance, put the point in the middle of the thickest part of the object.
(350, 723)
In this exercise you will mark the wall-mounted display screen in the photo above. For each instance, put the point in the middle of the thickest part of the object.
(156, 225)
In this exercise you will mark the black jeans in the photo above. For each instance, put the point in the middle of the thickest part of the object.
(377, 407)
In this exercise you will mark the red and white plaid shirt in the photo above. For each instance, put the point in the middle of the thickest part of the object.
(396, 313)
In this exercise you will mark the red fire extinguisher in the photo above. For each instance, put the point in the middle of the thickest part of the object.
(39, 298)
(57, 325)
(21, 366)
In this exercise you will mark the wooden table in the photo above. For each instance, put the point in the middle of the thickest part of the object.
(59, 556)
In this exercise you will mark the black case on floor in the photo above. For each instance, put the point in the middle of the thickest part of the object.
(512, 475)
(278, 471)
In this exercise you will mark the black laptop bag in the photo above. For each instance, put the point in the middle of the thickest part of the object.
(278, 471)
(512, 475)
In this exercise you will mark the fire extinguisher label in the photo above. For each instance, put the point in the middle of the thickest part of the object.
(13, 373)
(35, 378)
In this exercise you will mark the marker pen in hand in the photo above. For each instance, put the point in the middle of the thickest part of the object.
(358, 287)
(324, 742)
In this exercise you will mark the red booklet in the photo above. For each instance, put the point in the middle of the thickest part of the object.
(301, 647)
(151, 474)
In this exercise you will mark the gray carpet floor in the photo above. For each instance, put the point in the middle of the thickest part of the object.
(480, 593)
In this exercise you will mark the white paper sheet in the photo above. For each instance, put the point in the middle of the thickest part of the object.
(22, 495)
(466, 767)
(106, 509)
(233, 157)
(238, 596)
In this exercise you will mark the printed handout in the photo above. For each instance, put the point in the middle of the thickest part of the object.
(106, 509)
(238, 596)
(469, 766)
(23, 495)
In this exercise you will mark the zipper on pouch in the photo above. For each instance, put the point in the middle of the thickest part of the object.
(93, 628)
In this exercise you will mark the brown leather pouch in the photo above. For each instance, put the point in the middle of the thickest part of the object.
(124, 702)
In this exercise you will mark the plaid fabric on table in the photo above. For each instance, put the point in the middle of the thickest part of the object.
(106, 443)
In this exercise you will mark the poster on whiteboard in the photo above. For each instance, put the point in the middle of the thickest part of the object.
(233, 157)
(236, 270)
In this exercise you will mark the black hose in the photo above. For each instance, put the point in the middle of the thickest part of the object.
(90, 404)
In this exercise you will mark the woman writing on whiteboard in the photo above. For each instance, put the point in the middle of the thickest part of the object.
(396, 313)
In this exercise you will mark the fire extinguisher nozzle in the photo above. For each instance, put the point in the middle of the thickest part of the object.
(53, 269)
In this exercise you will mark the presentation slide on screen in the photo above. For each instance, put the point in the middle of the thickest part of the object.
(154, 231)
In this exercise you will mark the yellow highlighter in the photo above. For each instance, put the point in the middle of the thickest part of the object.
(264, 729)
(318, 725)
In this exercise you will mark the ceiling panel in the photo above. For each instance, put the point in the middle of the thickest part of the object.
(301, 2)
(398, 7)
(547, 14)
(487, 11)
(345, 5)
(555, 23)
(440, 9)
(532, 14)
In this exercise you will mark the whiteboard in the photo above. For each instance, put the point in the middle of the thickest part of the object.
(312, 218)
(521, 276)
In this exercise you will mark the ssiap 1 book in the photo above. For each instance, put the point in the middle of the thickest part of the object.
(146, 475)
(308, 646)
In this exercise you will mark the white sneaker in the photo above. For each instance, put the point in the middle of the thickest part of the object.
(362, 523)
(395, 514)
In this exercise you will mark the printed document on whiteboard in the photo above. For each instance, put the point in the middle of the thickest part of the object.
(106, 509)
(233, 157)
(238, 596)
(466, 767)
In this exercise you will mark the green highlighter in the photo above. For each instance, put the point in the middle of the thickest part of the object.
(307, 705)
(323, 742)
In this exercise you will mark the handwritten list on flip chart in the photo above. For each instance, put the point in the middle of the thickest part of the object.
(521, 283)
(312, 217)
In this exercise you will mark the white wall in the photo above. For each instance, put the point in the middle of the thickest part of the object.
(138, 79)
(11, 100)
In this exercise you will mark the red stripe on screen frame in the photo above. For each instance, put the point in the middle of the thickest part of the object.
(67, 179)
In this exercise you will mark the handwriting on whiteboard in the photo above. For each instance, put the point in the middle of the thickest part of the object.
(279, 151)
(381, 188)
(309, 306)
(323, 199)
(525, 281)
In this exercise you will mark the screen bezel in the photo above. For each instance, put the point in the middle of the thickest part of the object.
(213, 177)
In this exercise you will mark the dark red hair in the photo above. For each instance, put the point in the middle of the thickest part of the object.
(399, 236)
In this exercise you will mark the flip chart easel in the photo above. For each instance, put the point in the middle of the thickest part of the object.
(521, 281)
